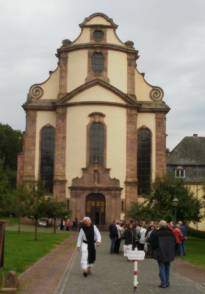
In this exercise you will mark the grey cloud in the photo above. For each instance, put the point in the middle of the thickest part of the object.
(168, 34)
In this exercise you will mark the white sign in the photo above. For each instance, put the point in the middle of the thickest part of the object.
(135, 254)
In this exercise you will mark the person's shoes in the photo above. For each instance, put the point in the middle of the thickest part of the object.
(162, 286)
(85, 274)
(89, 271)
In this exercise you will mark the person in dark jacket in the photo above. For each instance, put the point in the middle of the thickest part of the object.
(184, 230)
(129, 235)
(113, 233)
(163, 245)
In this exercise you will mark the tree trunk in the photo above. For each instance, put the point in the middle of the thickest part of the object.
(19, 225)
(36, 229)
(54, 225)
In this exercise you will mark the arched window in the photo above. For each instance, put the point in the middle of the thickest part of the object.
(97, 62)
(47, 157)
(144, 161)
(96, 143)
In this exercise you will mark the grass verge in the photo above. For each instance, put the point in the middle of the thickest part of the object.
(195, 251)
(21, 250)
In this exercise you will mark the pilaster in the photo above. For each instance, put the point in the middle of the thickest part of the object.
(60, 154)
(131, 63)
(63, 64)
(131, 156)
(30, 146)
(160, 144)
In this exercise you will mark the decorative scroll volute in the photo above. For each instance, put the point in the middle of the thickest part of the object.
(156, 94)
(36, 92)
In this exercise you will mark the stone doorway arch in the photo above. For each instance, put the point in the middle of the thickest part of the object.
(96, 185)
(96, 207)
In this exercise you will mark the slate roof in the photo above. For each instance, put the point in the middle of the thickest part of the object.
(190, 151)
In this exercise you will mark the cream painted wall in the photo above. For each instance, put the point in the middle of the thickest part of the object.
(77, 69)
(113, 38)
(51, 86)
(84, 37)
(97, 93)
(43, 118)
(148, 120)
(98, 20)
(115, 120)
(142, 88)
(117, 70)
(198, 193)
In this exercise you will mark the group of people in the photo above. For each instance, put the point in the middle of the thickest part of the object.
(67, 224)
(137, 235)
(161, 241)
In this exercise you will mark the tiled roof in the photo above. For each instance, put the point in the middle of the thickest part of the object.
(190, 151)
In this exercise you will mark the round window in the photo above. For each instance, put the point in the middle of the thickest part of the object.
(98, 35)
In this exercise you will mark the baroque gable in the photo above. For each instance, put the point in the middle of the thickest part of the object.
(97, 91)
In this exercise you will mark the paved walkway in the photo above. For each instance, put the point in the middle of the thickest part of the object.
(113, 275)
(44, 276)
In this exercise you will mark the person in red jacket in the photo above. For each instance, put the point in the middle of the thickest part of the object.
(179, 239)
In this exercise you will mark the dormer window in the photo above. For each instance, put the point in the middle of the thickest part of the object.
(97, 62)
(180, 172)
(98, 35)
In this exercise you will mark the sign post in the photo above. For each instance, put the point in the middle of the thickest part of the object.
(2, 240)
(135, 256)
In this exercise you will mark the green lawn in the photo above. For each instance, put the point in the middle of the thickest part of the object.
(21, 250)
(12, 225)
(195, 251)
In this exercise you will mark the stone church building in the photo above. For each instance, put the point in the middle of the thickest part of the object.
(95, 129)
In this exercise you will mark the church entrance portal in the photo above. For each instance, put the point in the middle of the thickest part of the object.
(95, 208)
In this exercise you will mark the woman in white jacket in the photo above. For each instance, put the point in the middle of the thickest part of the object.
(89, 237)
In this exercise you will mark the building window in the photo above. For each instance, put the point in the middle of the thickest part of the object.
(98, 35)
(97, 143)
(97, 62)
(47, 157)
(144, 161)
(180, 172)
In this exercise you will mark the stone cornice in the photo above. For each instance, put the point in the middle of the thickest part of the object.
(49, 105)
(45, 105)
(65, 101)
(52, 106)
(98, 14)
(146, 106)
(104, 103)
(95, 188)
(95, 46)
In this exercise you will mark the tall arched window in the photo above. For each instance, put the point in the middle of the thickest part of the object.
(144, 161)
(96, 143)
(47, 157)
(97, 62)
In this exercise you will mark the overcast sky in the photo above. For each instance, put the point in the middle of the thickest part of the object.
(169, 34)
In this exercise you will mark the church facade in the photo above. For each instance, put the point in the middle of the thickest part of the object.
(95, 129)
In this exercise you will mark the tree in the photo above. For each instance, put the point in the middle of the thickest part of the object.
(55, 210)
(142, 211)
(159, 202)
(35, 204)
(10, 146)
(20, 203)
(6, 193)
